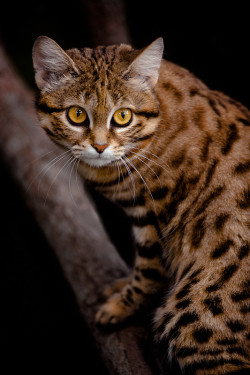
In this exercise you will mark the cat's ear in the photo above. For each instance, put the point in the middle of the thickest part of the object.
(145, 67)
(50, 63)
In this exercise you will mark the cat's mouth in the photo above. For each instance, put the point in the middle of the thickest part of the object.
(97, 161)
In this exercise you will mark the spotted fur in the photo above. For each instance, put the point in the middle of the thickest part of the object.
(180, 171)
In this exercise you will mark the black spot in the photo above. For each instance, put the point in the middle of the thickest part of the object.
(242, 167)
(183, 304)
(202, 334)
(136, 201)
(236, 325)
(243, 252)
(137, 290)
(221, 220)
(149, 252)
(47, 109)
(212, 196)
(221, 249)
(227, 341)
(186, 352)
(244, 202)
(198, 232)
(178, 159)
(214, 305)
(160, 193)
(231, 138)
(148, 114)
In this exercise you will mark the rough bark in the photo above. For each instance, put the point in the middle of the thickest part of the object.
(68, 220)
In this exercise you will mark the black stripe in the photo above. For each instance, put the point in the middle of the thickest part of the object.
(212, 104)
(208, 364)
(186, 270)
(244, 202)
(236, 326)
(211, 352)
(221, 249)
(227, 341)
(186, 352)
(46, 109)
(198, 232)
(160, 193)
(144, 138)
(205, 149)
(226, 275)
(211, 171)
(183, 304)
(244, 251)
(221, 220)
(166, 319)
(131, 202)
(240, 296)
(245, 309)
(149, 252)
(148, 114)
(215, 194)
(242, 167)
(137, 290)
(244, 121)
(186, 289)
(152, 273)
(107, 183)
(238, 350)
(243, 371)
(141, 221)
(232, 137)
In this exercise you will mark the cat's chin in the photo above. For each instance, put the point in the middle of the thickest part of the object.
(97, 162)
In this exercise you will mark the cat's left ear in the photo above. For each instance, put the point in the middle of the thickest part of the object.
(51, 63)
(145, 67)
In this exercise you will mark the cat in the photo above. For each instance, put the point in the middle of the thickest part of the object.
(175, 156)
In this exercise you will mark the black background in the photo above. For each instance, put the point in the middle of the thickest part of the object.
(41, 328)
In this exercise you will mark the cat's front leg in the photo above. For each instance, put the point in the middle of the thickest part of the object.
(146, 281)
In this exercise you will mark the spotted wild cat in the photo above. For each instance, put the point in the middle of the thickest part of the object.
(175, 156)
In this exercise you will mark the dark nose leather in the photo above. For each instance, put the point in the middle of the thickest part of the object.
(100, 148)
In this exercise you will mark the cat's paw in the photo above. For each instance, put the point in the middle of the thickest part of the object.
(116, 286)
(114, 311)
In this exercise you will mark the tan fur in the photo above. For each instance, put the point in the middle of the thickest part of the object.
(180, 170)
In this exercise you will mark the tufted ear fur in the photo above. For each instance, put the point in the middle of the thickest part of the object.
(50, 63)
(145, 68)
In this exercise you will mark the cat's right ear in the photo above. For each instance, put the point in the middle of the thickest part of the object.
(50, 63)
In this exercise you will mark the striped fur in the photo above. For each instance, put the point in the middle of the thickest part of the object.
(180, 170)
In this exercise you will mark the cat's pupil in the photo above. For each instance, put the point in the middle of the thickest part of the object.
(123, 115)
(78, 112)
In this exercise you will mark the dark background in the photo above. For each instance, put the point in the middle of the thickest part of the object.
(41, 328)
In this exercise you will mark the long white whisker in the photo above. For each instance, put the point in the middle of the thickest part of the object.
(130, 175)
(144, 182)
(44, 171)
(68, 162)
(136, 156)
(148, 152)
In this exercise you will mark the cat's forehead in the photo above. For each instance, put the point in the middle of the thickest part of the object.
(114, 57)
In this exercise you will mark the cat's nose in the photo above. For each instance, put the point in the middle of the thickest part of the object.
(100, 148)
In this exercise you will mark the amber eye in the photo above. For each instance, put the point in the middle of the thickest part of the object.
(122, 116)
(76, 115)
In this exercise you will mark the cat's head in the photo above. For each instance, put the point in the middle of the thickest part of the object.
(99, 103)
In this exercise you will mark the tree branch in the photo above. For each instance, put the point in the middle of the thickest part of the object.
(68, 220)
